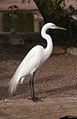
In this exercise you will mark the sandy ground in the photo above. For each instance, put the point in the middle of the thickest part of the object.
(48, 109)
(55, 84)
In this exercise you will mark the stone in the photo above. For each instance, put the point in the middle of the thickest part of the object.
(58, 50)
(71, 50)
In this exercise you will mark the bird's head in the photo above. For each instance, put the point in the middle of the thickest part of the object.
(53, 26)
(50, 26)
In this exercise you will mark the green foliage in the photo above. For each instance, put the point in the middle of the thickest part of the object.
(56, 8)
(50, 7)
(23, 23)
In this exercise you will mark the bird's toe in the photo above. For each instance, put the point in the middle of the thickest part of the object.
(35, 99)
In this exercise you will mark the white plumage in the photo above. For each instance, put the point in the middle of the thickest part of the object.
(30, 63)
(33, 60)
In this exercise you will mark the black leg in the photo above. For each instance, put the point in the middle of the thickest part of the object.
(31, 84)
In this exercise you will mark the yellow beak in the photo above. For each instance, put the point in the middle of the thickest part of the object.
(61, 28)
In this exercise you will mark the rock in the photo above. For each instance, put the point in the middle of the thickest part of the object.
(16, 41)
(71, 51)
(58, 50)
(74, 17)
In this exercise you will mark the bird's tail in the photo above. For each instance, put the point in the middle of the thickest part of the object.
(14, 83)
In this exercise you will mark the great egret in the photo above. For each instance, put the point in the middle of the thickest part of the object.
(33, 60)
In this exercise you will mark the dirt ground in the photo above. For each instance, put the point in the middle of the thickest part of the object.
(55, 84)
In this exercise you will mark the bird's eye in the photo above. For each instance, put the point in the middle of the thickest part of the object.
(53, 25)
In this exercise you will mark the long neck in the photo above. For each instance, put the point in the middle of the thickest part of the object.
(49, 48)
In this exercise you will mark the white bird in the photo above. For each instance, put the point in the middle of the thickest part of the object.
(33, 60)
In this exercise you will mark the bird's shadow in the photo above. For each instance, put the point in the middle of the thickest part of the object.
(59, 89)
(49, 78)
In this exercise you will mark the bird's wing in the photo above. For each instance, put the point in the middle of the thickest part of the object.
(31, 62)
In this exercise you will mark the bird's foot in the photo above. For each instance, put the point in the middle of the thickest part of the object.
(35, 99)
